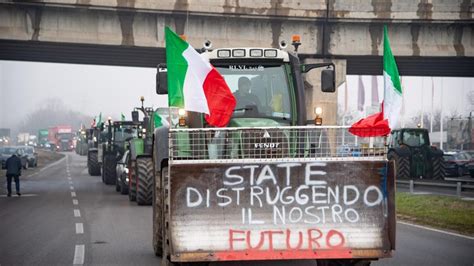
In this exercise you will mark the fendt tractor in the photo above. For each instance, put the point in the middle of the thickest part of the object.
(140, 163)
(414, 156)
(272, 185)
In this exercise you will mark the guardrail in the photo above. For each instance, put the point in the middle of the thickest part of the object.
(459, 186)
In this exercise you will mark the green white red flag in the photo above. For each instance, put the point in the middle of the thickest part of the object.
(381, 123)
(194, 84)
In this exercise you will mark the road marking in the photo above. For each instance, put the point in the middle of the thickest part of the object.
(71, 187)
(436, 230)
(50, 165)
(73, 194)
(77, 213)
(69, 177)
(75, 202)
(79, 255)
(22, 195)
(79, 228)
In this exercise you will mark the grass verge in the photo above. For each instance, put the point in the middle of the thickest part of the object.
(444, 212)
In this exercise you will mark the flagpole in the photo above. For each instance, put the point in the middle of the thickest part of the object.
(442, 113)
(422, 106)
(432, 104)
(402, 122)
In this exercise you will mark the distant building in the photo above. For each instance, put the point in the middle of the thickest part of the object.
(460, 134)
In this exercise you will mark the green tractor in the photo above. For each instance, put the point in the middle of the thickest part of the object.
(113, 147)
(93, 136)
(414, 156)
(141, 163)
(199, 167)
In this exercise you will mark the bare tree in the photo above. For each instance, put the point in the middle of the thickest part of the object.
(51, 113)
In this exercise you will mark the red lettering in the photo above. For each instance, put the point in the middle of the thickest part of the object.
(270, 237)
(330, 235)
(312, 240)
(300, 240)
(260, 242)
(232, 239)
(333, 239)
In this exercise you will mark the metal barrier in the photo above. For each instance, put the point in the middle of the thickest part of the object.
(459, 186)
(272, 143)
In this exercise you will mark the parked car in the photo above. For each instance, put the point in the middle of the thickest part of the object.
(6, 152)
(122, 174)
(470, 165)
(456, 163)
(32, 156)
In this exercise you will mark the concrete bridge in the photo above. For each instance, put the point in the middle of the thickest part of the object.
(428, 37)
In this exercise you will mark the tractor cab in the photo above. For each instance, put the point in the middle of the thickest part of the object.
(412, 137)
(266, 82)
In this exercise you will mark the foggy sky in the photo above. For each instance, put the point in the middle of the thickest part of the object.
(112, 90)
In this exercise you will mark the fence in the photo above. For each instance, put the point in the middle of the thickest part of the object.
(272, 143)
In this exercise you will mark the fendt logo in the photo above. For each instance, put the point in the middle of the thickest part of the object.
(266, 145)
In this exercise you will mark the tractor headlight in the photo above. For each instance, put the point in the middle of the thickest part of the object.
(126, 179)
(126, 171)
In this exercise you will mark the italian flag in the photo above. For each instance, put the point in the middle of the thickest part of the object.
(194, 84)
(381, 123)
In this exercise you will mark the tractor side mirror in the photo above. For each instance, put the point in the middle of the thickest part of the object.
(328, 77)
(161, 79)
(328, 81)
(135, 116)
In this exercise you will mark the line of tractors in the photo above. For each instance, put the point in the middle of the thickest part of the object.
(121, 153)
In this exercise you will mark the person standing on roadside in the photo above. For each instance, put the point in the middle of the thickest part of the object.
(13, 165)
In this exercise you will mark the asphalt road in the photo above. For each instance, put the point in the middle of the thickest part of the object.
(64, 213)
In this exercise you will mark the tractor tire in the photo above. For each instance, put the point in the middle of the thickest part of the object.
(402, 166)
(144, 181)
(93, 164)
(108, 168)
(117, 186)
(132, 184)
(438, 168)
(158, 213)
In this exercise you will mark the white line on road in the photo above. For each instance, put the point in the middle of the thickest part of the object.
(75, 202)
(73, 194)
(436, 230)
(22, 195)
(79, 255)
(49, 165)
(71, 187)
(79, 228)
(77, 213)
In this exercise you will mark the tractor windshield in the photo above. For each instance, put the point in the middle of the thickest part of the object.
(122, 133)
(260, 90)
(415, 138)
